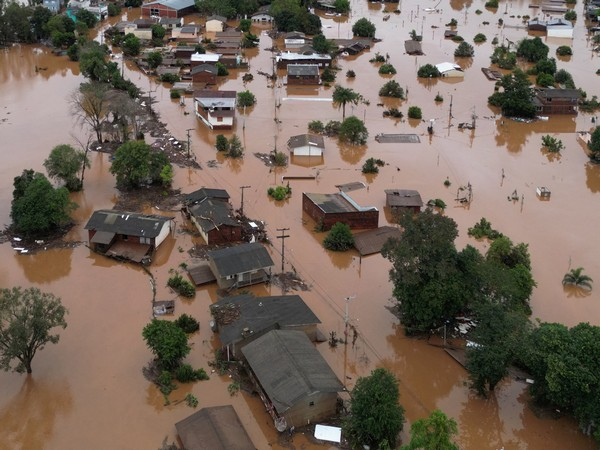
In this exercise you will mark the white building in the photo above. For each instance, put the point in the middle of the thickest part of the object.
(450, 70)
(306, 145)
(559, 28)
(215, 108)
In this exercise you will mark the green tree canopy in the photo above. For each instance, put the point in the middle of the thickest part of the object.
(37, 207)
(353, 131)
(154, 59)
(27, 318)
(464, 49)
(432, 433)
(341, 96)
(594, 144)
(323, 45)
(291, 15)
(364, 28)
(167, 341)
(533, 50)
(516, 98)
(376, 417)
(245, 99)
(135, 164)
(391, 89)
(340, 238)
(131, 45)
(158, 31)
(86, 17)
(64, 163)
(92, 61)
(428, 71)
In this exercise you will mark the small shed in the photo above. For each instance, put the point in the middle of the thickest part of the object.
(215, 23)
(413, 47)
(449, 34)
(303, 74)
(306, 145)
(300, 388)
(328, 209)
(241, 265)
(214, 428)
(450, 70)
(400, 200)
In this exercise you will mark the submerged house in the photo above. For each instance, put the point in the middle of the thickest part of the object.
(401, 200)
(556, 101)
(328, 209)
(215, 23)
(204, 73)
(450, 70)
(294, 381)
(262, 15)
(413, 47)
(215, 108)
(241, 265)
(559, 28)
(286, 58)
(214, 219)
(306, 145)
(255, 316)
(127, 235)
(303, 74)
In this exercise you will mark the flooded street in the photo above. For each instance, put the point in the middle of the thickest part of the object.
(89, 391)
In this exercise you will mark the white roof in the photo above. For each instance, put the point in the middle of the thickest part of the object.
(327, 433)
(447, 67)
(205, 57)
(289, 56)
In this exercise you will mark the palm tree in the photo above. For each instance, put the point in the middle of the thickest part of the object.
(575, 277)
(342, 95)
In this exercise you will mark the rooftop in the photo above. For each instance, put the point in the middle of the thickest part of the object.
(211, 214)
(240, 259)
(127, 223)
(403, 197)
(306, 139)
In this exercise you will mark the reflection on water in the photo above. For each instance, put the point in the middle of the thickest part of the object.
(44, 267)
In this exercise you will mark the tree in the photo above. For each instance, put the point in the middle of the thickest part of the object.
(27, 318)
(113, 10)
(89, 104)
(433, 433)
(154, 59)
(37, 207)
(131, 45)
(342, 6)
(222, 144)
(353, 131)
(221, 69)
(328, 75)
(547, 65)
(414, 112)
(340, 238)
(544, 80)
(428, 71)
(236, 150)
(135, 163)
(92, 61)
(364, 28)
(64, 163)
(391, 89)
(341, 96)
(376, 418)
(564, 50)
(504, 58)
(594, 145)
(245, 25)
(464, 50)
(39, 19)
(86, 17)
(552, 144)
(387, 69)
(167, 341)
(245, 98)
(576, 277)
(532, 49)
(158, 31)
(323, 45)
(479, 38)
(516, 99)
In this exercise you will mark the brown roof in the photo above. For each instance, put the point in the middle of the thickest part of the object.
(304, 139)
(201, 274)
(403, 198)
(215, 428)
(413, 47)
(372, 241)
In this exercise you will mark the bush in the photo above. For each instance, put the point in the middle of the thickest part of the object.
(464, 50)
(185, 373)
(479, 38)
(245, 25)
(458, 38)
(483, 229)
(350, 74)
(113, 9)
(428, 71)
(563, 77)
(564, 50)
(393, 112)
(364, 28)
(544, 80)
(279, 159)
(387, 69)
(316, 126)
(187, 323)
(570, 15)
(353, 131)
(169, 78)
(222, 144)
(332, 128)
(245, 98)
(504, 58)
(437, 203)
(221, 69)
(235, 147)
(191, 400)
(181, 286)
(414, 112)
(378, 58)
(372, 165)
(165, 382)
(280, 192)
(391, 89)
(546, 66)
(552, 144)
(339, 238)
(491, 4)
(175, 93)
(328, 75)
(438, 98)
(453, 22)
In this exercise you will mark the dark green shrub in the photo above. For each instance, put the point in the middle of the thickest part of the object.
(552, 144)
(479, 38)
(169, 78)
(437, 203)
(453, 22)
(332, 128)
(414, 112)
(544, 80)
(482, 229)
(221, 69)
(350, 74)
(564, 50)
(570, 15)
(181, 286)
(187, 323)
(185, 373)
(393, 112)
(387, 69)
(191, 400)
(339, 239)
(378, 58)
(458, 38)
(222, 144)
(464, 50)
(372, 165)
(316, 126)
(491, 4)
(328, 75)
(391, 89)
(280, 192)
(428, 71)
(438, 98)
(165, 382)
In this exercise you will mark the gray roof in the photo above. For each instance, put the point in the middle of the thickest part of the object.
(215, 428)
(403, 198)
(211, 214)
(305, 139)
(216, 17)
(204, 68)
(260, 313)
(303, 70)
(300, 370)
(559, 93)
(240, 259)
(129, 223)
(175, 4)
(215, 99)
(202, 193)
(413, 47)
(331, 203)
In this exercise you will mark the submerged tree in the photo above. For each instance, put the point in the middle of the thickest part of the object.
(341, 96)
(433, 433)
(353, 131)
(516, 98)
(27, 318)
(89, 105)
(576, 277)
(340, 238)
(167, 341)
(65, 163)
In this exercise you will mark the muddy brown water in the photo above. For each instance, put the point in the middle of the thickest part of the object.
(89, 390)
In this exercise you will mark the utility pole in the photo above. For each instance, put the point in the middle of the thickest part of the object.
(282, 237)
(347, 318)
(242, 206)
(188, 141)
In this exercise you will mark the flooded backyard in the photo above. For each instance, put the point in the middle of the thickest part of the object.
(89, 391)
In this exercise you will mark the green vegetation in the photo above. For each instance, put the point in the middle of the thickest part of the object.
(222, 144)
(414, 36)
(191, 400)
(65, 163)
(378, 58)
(137, 164)
(235, 147)
(245, 25)
(342, 6)
(332, 128)
(457, 38)
(544, 80)
(387, 69)
(245, 99)
(364, 28)
(113, 10)
(328, 75)
(342, 96)
(372, 165)
(545, 66)
(576, 277)
(339, 239)
(154, 59)
(187, 323)
(516, 97)
(131, 45)
(168, 342)
(170, 78)
(552, 144)
(222, 71)
(564, 50)
(438, 98)
(504, 58)
(479, 38)
(376, 418)
(316, 126)
(323, 45)
(464, 50)
(353, 131)
(563, 77)
(280, 192)
(594, 145)
(414, 112)
(483, 229)
(186, 374)
(532, 49)
(433, 432)
(279, 159)
(37, 207)
(233, 388)
(27, 318)
(571, 15)
(493, 4)
(392, 89)
(182, 286)
(393, 112)
(453, 22)
(437, 203)
(350, 74)
(292, 15)
(428, 71)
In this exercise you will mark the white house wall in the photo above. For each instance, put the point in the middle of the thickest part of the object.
(164, 232)
(307, 150)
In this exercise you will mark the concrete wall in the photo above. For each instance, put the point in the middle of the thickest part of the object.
(311, 409)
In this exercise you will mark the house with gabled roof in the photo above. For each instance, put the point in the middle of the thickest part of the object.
(242, 319)
(262, 15)
(241, 265)
(293, 379)
(127, 235)
(215, 108)
(306, 145)
(168, 8)
(328, 209)
(204, 73)
(400, 200)
(556, 101)
(215, 23)
(215, 221)
(303, 74)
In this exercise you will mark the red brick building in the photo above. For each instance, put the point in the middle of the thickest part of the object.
(328, 209)
(168, 8)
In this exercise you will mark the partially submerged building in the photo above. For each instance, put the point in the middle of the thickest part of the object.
(241, 265)
(328, 209)
(215, 108)
(556, 101)
(401, 200)
(213, 217)
(286, 58)
(303, 74)
(450, 70)
(306, 145)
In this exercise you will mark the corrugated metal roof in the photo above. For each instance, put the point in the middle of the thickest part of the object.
(403, 197)
(305, 139)
(211, 214)
(299, 372)
(372, 241)
(303, 70)
(240, 259)
(128, 223)
(260, 313)
(331, 203)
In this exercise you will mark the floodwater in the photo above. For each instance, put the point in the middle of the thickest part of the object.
(89, 390)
